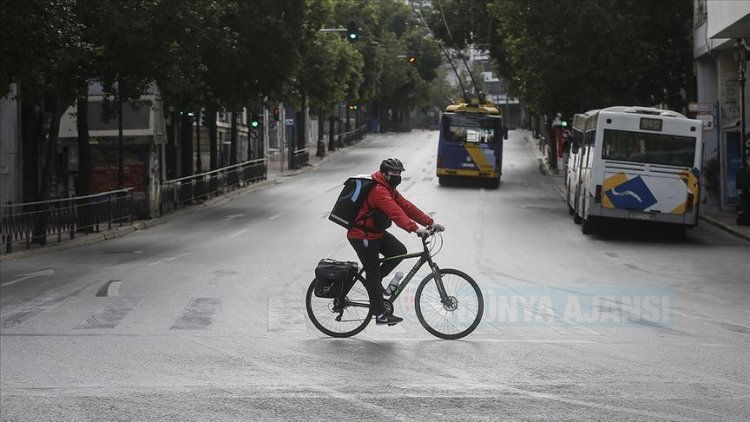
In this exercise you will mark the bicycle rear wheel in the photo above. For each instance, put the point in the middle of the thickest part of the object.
(457, 318)
(339, 321)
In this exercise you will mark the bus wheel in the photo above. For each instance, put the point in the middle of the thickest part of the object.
(442, 180)
(576, 218)
(587, 225)
(495, 183)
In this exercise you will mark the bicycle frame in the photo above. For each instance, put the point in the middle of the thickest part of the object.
(424, 258)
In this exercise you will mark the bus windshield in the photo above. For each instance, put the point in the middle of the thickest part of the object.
(649, 148)
(470, 129)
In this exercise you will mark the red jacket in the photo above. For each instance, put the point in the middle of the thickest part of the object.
(387, 199)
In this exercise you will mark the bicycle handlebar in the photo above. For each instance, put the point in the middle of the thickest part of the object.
(430, 232)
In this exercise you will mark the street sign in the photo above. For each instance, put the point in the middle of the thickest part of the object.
(708, 121)
(701, 107)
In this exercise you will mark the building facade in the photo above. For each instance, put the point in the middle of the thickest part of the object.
(721, 29)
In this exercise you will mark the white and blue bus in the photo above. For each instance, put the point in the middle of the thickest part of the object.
(637, 163)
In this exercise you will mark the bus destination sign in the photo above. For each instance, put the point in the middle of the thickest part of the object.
(651, 124)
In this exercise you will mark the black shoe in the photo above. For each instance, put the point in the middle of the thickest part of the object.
(387, 319)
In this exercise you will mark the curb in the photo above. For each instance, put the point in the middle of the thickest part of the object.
(544, 166)
(729, 229)
(87, 239)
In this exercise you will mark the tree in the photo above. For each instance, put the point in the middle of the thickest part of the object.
(573, 56)
(44, 53)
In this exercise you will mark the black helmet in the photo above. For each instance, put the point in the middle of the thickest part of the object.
(391, 164)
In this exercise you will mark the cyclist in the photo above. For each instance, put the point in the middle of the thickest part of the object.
(370, 239)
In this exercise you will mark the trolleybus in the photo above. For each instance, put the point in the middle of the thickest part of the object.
(471, 143)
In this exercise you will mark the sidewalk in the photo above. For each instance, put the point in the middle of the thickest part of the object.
(725, 220)
(274, 174)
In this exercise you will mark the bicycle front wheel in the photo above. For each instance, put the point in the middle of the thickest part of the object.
(459, 314)
(336, 319)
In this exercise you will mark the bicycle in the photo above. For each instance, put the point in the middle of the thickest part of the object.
(448, 302)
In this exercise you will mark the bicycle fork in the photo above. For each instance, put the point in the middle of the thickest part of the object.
(444, 299)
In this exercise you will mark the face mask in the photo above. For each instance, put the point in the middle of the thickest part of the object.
(394, 181)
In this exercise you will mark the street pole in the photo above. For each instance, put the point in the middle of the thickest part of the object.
(743, 178)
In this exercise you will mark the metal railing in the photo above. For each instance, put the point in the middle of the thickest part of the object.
(200, 187)
(299, 158)
(35, 222)
(349, 138)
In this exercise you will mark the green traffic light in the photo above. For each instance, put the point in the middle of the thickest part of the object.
(564, 123)
(254, 123)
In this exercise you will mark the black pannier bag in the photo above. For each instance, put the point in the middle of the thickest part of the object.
(332, 277)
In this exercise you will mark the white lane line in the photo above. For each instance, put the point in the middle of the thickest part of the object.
(286, 314)
(235, 234)
(275, 216)
(42, 273)
(171, 258)
(233, 216)
(114, 289)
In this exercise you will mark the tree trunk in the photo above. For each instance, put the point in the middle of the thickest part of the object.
(213, 143)
(55, 103)
(233, 140)
(171, 149)
(198, 158)
(83, 182)
(120, 141)
(186, 142)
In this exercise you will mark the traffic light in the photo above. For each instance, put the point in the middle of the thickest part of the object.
(276, 114)
(352, 32)
(255, 120)
(353, 107)
(564, 123)
(411, 58)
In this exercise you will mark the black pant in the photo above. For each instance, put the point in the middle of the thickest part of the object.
(369, 252)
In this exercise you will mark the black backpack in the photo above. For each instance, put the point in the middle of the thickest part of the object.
(350, 200)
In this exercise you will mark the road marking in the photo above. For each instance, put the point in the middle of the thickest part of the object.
(198, 314)
(286, 314)
(273, 217)
(171, 258)
(233, 216)
(109, 289)
(235, 234)
(111, 314)
(42, 273)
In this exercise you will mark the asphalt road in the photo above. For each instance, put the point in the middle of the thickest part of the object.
(202, 317)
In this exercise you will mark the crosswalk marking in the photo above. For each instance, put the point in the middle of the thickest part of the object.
(286, 314)
(111, 314)
(198, 314)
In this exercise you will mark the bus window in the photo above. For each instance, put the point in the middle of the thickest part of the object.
(467, 130)
(649, 148)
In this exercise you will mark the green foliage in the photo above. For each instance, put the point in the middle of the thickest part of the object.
(42, 44)
(572, 56)
(226, 54)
